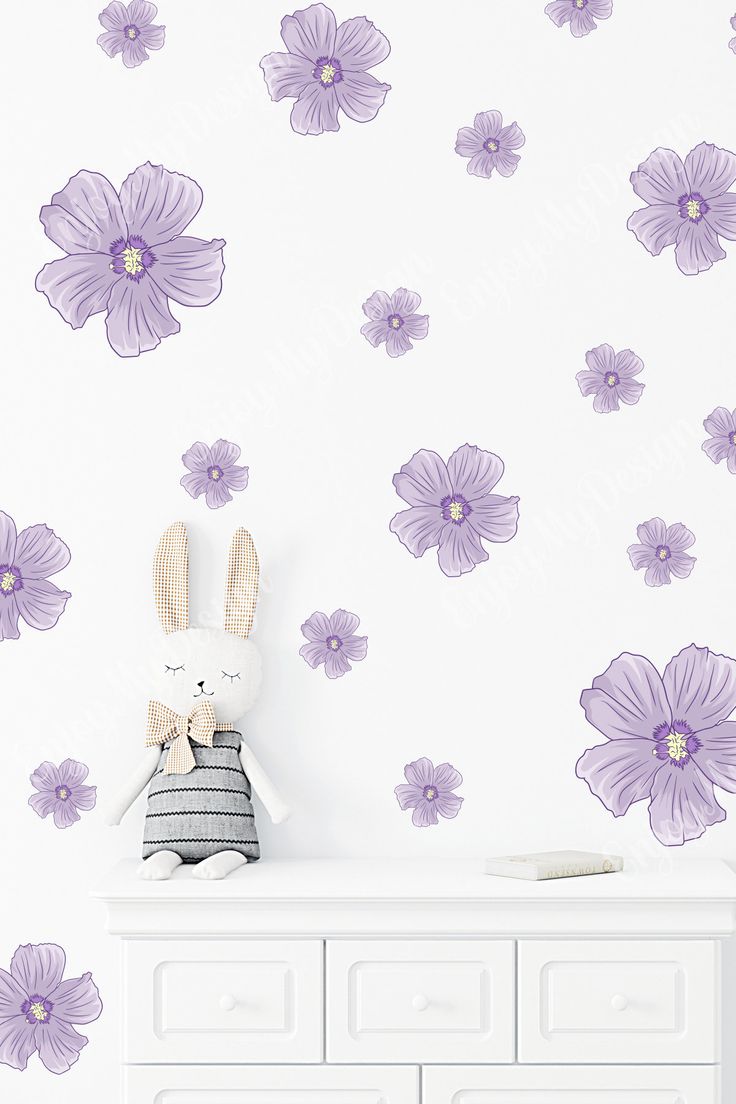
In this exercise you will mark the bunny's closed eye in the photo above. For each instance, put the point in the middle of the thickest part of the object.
(231, 677)
(173, 670)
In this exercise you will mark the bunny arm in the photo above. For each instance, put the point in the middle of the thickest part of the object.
(134, 786)
(262, 785)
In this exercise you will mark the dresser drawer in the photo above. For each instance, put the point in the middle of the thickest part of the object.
(605, 1001)
(562, 1085)
(420, 1001)
(225, 1001)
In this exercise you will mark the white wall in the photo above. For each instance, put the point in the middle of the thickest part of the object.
(519, 278)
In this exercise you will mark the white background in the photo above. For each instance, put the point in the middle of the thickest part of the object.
(520, 277)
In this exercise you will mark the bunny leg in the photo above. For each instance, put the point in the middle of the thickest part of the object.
(159, 866)
(219, 865)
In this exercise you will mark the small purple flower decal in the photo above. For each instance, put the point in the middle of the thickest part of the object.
(662, 552)
(429, 792)
(393, 319)
(332, 641)
(451, 505)
(61, 792)
(213, 472)
(732, 43)
(27, 560)
(490, 145)
(668, 740)
(689, 205)
(610, 377)
(38, 1009)
(721, 445)
(129, 31)
(325, 69)
(580, 14)
(127, 256)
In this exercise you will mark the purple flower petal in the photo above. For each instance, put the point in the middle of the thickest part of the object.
(217, 493)
(559, 11)
(314, 654)
(731, 461)
(678, 537)
(582, 22)
(359, 45)
(701, 687)
(310, 32)
(448, 805)
(134, 53)
(41, 603)
(629, 391)
(153, 38)
(656, 227)
(378, 306)
(481, 164)
(620, 772)
(46, 777)
(286, 75)
(717, 448)
(84, 798)
(77, 287)
(40, 553)
(627, 364)
(376, 332)
(17, 1042)
(77, 1000)
(43, 803)
(138, 317)
(652, 532)
(141, 13)
(418, 528)
(38, 968)
(158, 205)
(416, 326)
(710, 170)
(601, 9)
(355, 647)
(336, 664)
(721, 422)
(189, 270)
(405, 302)
(198, 458)
(473, 472)
(59, 1045)
(361, 96)
(589, 382)
(627, 700)
(460, 550)
(511, 137)
(468, 142)
(315, 110)
(408, 797)
(697, 247)
(683, 805)
(445, 777)
(12, 996)
(488, 123)
(658, 573)
(495, 518)
(661, 179)
(606, 400)
(397, 342)
(506, 162)
(717, 755)
(343, 624)
(72, 774)
(640, 555)
(9, 619)
(8, 538)
(601, 360)
(195, 483)
(681, 565)
(424, 480)
(317, 627)
(722, 214)
(112, 42)
(420, 773)
(424, 814)
(65, 814)
(235, 477)
(85, 216)
(114, 17)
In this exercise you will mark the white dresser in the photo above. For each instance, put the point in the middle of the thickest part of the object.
(400, 982)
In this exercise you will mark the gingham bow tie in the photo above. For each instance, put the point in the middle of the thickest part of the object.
(199, 726)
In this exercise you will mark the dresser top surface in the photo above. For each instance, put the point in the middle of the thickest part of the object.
(423, 879)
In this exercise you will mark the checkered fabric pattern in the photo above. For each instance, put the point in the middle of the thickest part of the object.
(165, 725)
(171, 578)
(241, 588)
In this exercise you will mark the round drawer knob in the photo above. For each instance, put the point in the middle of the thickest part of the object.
(619, 1003)
(420, 1003)
(227, 1002)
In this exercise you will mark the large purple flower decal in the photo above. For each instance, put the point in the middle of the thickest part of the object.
(326, 69)
(27, 560)
(213, 472)
(38, 1009)
(662, 552)
(668, 740)
(580, 14)
(721, 445)
(126, 255)
(129, 31)
(610, 378)
(490, 145)
(451, 506)
(61, 792)
(393, 319)
(429, 792)
(689, 205)
(332, 641)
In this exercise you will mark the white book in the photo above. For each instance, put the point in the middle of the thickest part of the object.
(553, 864)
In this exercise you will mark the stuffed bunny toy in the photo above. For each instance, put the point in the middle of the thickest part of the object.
(200, 771)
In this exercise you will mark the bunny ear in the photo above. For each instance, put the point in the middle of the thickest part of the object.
(241, 586)
(171, 578)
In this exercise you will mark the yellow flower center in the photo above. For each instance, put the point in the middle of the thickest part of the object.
(38, 1011)
(611, 380)
(63, 793)
(7, 582)
(132, 32)
(430, 793)
(456, 511)
(395, 323)
(676, 746)
(215, 473)
(492, 146)
(133, 260)
(579, 3)
(693, 208)
(663, 553)
(328, 73)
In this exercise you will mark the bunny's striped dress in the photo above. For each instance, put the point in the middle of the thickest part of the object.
(205, 811)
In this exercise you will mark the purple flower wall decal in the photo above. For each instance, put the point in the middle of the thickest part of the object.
(332, 641)
(721, 424)
(580, 14)
(490, 145)
(38, 1009)
(668, 740)
(429, 791)
(126, 255)
(61, 792)
(213, 472)
(689, 205)
(27, 560)
(129, 31)
(326, 69)
(610, 377)
(393, 319)
(662, 552)
(732, 43)
(451, 506)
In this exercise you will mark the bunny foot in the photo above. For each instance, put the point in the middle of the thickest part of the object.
(220, 865)
(160, 866)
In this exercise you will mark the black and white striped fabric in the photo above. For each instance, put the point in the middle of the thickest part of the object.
(205, 811)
